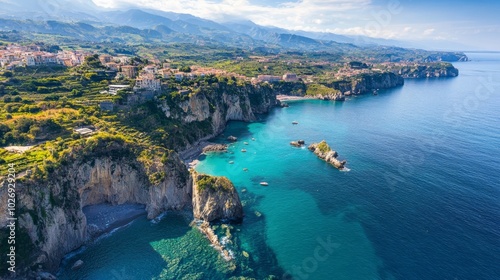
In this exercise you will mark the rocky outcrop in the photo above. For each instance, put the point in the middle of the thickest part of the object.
(215, 198)
(298, 143)
(337, 96)
(232, 138)
(366, 83)
(215, 148)
(324, 152)
(219, 103)
(428, 71)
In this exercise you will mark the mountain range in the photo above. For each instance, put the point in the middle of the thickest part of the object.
(82, 19)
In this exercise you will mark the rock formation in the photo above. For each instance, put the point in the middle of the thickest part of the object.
(324, 152)
(215, 198)
(215, 148)
(298, 143)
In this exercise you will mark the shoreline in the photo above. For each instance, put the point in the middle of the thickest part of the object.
(282, 97)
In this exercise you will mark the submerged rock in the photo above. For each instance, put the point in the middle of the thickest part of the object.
(324, 152)
(232, 138)
(77, 265)
(215, 198)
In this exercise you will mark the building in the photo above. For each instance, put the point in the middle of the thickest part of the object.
(113, 89)
(112, 66)
(179, 76)
(107, 106)
(166, 73)
(268, 78)
(147, 82)
(105, 59)
(129, 71)
(150, 69)
(290, 77)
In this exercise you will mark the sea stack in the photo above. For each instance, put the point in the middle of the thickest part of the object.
(215, 198)
(324, 152)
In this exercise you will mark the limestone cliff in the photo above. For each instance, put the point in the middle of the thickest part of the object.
(221, 102)
(428, 71)
(365, 83)
(215, 198)
(51, 221)
(50, 211)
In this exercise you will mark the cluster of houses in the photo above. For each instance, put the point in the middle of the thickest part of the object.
(288, 77)
(19, 56)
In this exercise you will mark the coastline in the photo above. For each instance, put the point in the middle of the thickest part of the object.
(282, 97)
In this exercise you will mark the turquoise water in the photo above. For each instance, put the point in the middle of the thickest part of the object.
(421, 199)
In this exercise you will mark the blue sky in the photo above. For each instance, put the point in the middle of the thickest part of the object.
(471, 23)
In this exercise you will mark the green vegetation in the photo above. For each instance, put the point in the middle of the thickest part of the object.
(218, 184)
(324, 147)
(317, 89)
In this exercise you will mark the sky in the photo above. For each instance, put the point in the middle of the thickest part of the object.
(474, 24)
(471, 25)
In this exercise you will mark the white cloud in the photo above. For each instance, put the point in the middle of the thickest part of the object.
(429, 31)
(303, 14)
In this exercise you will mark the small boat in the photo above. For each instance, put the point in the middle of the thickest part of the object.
(243, 150)
(231, 162)
(264, 183)
(246, 143)
(253, 139)
(245, 169)
(295, 122)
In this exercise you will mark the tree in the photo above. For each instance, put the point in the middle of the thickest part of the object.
(185, 69)
(7, 74)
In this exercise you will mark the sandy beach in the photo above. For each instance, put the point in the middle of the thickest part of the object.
(103, 218)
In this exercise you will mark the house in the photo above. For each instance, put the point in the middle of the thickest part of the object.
(268, 78)
(166, 73)
(147, 82)
(150, 69)
(129, 71)
(107, 106)
(112, 66)
(84, 131)
(105, 59)
(179, 76)
(113, 89)
(290, 77)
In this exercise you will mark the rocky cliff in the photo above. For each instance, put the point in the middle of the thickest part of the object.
(365, 83)
(219, 103)
(50, 210)
(428, 71)
(215, 198)
(51, 221)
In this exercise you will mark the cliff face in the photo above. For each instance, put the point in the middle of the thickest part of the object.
(215, 198)
(368, 82)
(50, 211)
(428, 71)
(222, 102)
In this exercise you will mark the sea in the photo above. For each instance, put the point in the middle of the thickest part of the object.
(419, 199)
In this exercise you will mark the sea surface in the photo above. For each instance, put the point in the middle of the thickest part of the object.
(421, 198)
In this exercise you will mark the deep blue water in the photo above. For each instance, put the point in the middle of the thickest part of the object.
(421, 199)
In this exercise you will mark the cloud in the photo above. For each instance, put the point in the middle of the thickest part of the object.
(429, 31)
(314, 15)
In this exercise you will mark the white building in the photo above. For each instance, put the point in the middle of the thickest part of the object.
(147, 82)
(113, 89)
